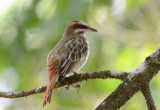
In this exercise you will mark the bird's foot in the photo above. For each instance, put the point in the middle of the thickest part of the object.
(74, 74)
(61, 79)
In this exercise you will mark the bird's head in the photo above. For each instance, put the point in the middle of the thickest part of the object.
(77, 27)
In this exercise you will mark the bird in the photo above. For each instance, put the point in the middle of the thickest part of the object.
(68, 56)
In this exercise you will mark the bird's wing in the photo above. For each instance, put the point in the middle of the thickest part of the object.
(73, 56)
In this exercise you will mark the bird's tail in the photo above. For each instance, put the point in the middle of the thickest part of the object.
(50, 87)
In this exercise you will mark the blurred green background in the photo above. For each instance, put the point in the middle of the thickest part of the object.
(128, 31)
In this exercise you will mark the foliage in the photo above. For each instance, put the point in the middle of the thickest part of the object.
(128, 31)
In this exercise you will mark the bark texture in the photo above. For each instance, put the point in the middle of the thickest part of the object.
(135, 81)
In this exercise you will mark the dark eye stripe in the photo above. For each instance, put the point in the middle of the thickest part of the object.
(80, 26)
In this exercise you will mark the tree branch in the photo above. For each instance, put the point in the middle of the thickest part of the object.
(133, 83)
(69, 81)
(148, 97)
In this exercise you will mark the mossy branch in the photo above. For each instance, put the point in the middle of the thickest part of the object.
(148, 97)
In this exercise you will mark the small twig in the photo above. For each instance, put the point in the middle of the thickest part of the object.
(148, 97)
(23, 93)
(69, 81)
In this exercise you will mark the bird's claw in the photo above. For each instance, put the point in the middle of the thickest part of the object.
(74, 74)
(61, 79)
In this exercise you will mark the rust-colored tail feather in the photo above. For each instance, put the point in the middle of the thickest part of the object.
(50, 87)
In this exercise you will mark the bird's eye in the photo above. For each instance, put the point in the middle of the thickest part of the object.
(80, 26)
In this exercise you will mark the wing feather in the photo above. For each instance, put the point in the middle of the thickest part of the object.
(75, 52)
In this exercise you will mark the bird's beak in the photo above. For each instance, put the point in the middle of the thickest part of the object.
(89, 29)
